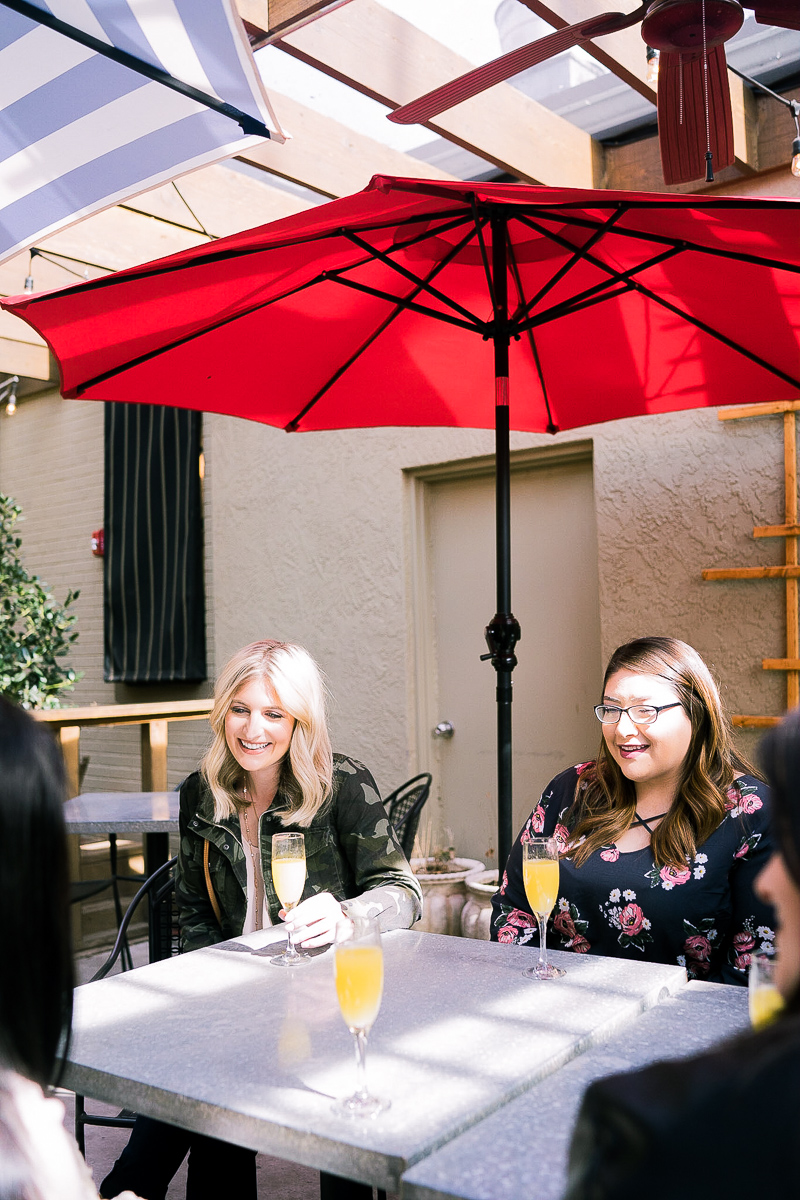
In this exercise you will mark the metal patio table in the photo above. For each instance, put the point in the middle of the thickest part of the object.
(477, 1165)
(153, 814)
(460, 1034)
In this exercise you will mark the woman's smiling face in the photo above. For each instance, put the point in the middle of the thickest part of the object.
(647, 754)
(257, 729)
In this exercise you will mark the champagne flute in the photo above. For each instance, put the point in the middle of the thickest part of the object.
(540, 877)
(764, 1000)
(358, 971)
(289, 877)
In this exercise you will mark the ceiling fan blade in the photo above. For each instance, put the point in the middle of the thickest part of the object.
(785, 14)
(682, 119)
(502, 68)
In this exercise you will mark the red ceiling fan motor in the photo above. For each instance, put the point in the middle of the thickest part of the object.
(676, 26)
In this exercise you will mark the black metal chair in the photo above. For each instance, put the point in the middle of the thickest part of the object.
(159, 890)
(86, 889)
(404, 808)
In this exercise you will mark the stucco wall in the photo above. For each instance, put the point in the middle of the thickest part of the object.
(305, 540)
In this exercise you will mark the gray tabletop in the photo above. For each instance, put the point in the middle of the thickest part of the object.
(122, 812)
(493, 1159)
(221, 1041)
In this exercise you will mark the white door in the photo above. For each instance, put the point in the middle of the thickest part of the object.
(554, 591)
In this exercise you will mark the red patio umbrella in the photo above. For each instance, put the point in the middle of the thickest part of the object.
(414, 303)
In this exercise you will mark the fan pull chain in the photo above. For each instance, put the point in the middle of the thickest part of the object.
(709, 167)
(680, 89)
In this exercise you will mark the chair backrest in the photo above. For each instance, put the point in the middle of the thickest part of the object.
(160, 890)
(404, 808)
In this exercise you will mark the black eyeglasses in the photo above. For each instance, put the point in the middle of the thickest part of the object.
(640, 714)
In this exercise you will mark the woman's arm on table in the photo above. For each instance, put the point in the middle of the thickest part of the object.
(382, 884)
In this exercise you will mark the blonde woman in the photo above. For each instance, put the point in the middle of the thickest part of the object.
(663, 834)
(269, 769)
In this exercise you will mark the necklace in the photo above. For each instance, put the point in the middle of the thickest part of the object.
(645, 821)
(255, 860)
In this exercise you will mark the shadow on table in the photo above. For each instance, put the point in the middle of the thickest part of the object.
(268, 951)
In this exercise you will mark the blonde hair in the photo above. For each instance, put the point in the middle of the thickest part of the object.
(307, 770)
(605, 800)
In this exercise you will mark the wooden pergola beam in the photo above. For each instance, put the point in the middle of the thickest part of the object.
(328, 157)
(266, 20)
(374, 51)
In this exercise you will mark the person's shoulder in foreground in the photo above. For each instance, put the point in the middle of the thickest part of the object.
(721, 1124)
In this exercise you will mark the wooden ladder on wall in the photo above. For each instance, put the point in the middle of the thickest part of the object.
(790, 571)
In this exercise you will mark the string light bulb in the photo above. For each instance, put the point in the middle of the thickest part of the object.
(29, 276)
(651, 76)
(8, 394)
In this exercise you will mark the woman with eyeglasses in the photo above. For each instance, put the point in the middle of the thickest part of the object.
(661, 836)
(632, 1129)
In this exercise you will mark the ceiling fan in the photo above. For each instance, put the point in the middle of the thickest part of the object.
(695, 124)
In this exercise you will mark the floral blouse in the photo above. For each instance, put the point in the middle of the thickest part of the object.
(706, 917)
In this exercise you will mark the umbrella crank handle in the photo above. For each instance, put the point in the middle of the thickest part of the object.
(502, 634)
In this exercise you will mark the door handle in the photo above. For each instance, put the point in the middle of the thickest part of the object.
(443, 730)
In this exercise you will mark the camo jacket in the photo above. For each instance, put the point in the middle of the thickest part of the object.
(351, 851)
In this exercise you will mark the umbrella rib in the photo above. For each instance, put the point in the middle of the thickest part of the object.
(624, 277)
(437, 267)
(551, 425)
(593, 295)
(720, 337)
(451, 220)
(223, 321)
(421, 285)
(190, 337)
(479, 227)
(474, 326)
(577, 255)
(578, 304)
(756, 260)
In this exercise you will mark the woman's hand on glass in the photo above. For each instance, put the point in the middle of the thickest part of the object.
(314, 920)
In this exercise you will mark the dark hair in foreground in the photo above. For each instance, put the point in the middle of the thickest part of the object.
(37, 976)
(605, 801)
(779, 753)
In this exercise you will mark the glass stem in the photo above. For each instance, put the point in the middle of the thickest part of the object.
(291, 949)
(360, 1040)
(542, 938)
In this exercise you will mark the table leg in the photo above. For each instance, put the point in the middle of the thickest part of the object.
(156, 853)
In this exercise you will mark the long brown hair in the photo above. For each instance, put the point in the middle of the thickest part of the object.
(605, 801)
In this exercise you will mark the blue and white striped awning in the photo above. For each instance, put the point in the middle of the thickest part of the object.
(79, 132)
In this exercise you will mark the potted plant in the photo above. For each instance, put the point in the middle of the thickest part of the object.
(443, 878)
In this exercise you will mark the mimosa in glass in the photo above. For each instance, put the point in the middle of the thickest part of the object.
(765, 1001)
(289, 877)
(358, 971)
(540, 878)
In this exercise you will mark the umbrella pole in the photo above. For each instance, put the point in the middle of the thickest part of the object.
(503, 632)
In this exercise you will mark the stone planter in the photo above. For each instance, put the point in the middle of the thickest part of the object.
(476, 915)
(444, 894)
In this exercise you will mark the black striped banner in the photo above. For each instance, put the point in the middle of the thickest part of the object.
(154, 594)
